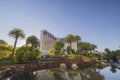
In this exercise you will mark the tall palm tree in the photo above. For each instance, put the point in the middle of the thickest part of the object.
(16, 33)
(77, 38)
(33, 40)
(69, 39)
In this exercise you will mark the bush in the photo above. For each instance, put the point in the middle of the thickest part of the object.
(27, 53)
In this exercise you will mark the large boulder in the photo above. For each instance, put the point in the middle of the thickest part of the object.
(103, 64)
(63, 67)
(74, 66)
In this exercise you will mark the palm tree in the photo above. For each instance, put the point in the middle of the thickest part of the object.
(16, 33)
(58, 46)
(93, 47)
(69, 39)
(77, 38)
(33, 40)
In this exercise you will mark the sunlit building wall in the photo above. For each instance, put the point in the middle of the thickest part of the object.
(47, 40)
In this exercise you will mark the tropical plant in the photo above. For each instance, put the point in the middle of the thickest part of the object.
(16, 33)
(33, 41)
(2, 42)
(107, 54)
(58, 46)
(27, 53)
(77, 38)
(86, 47)
(69, 39)
(5, 49)
(92, 47)
(52, 52)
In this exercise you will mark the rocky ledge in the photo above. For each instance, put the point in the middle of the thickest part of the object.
(21, 68)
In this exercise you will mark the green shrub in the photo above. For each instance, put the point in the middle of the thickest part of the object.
(26, 53)
(5, 50)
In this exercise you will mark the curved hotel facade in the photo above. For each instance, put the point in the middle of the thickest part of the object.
(47, 40)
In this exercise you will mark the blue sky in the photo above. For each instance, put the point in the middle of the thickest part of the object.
(96, 21)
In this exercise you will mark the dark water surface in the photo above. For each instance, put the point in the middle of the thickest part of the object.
(108, 73)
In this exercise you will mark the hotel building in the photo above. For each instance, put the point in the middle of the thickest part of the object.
(47, 40)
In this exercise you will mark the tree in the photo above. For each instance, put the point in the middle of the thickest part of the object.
(86, 47)
(77, 38)
(16, 33)
(27, 53)
(33, 40)
(92, 47)
(58, 46)
(2, 42)
(108, 53)
(69, 39)
(5, 49)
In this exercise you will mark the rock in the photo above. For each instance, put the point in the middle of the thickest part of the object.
(74, 66)
(103, 64)
(63, 67)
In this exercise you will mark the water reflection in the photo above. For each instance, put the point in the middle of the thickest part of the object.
(97, 73)
(57, 74)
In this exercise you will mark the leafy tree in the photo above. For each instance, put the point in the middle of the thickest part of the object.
(83, 46)
(2, 42)
(33, 40)
(16, 33)
(108, 54)
(27, 53)
(86, 47)
(92, 47)
(5, 49)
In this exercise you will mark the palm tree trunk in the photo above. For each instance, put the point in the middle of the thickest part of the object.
(32, 45)
(14, 47)
(70, 45)
(77, 45)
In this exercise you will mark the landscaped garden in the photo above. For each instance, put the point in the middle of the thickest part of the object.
(29, 58)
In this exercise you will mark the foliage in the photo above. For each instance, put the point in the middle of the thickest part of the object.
(57, 49)
(5, 49)
(87, 58)
(33, 41)
(73, 55)
(5, 61)
(86, 47)
(2, 42)
(16, 33)
(54, 52)
(77, 39)
(26, 53)
(69, 39)
(95, 55)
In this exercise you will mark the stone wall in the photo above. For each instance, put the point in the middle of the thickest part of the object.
(21, 68)
(55, 62)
